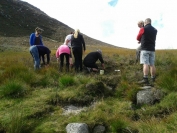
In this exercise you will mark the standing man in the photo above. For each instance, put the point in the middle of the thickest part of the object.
(38, 51)
(147, 37)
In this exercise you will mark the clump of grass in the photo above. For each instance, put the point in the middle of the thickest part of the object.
(13, 89)
(16, 122)
(66, 80)
(121, 89)
(131, 94)
(44, 81)
(168, 80)
(118, 126)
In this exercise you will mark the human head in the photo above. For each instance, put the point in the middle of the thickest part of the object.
(140, 23)
(147, 21)
(76, 32)
(99, 51)
(38, 30)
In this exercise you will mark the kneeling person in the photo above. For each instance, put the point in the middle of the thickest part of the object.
(91, 59)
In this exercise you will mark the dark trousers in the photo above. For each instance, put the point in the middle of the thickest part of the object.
(77, 52)
(62, 61)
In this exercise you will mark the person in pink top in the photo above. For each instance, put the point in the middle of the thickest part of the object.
(63, 51)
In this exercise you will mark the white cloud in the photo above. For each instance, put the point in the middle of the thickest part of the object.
(117, 23)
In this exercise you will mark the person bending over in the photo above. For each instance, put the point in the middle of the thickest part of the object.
(91, 59)
(63, 51)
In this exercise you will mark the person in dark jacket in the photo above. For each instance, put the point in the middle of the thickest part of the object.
(36, 38)
(91, 59)
(78, 47)
(147, 37)
(38, 51)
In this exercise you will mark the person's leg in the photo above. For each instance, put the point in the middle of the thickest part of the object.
(144, 59)
(91, 67)
(70, 58)
(138, 50)
(35, 54)
(152, 66)
(80, 58)
(76, 58)
(67, 56)
(145, 70)
(61, 61)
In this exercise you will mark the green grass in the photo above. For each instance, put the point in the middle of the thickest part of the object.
(13, 89)
(33, 101)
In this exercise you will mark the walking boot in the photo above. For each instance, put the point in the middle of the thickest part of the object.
(144, 81)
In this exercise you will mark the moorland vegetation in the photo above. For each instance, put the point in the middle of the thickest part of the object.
(33, 101)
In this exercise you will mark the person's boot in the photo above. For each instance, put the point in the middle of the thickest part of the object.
(152, 81)
(145, 81)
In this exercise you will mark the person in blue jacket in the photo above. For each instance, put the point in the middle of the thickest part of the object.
(36, 38)
(38, 51)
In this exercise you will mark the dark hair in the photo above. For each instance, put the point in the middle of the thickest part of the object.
(38, 29)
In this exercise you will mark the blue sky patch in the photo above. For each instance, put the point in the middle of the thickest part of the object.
(113, 3)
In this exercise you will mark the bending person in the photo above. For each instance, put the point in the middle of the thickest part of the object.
(63, 51)
(38, 51)
(91, 59)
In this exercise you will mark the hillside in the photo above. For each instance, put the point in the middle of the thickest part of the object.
(19, 19)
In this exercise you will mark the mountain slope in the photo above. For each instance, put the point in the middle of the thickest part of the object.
(18, 18)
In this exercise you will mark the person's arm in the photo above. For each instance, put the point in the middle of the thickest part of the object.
(101, 60)
(43, 59)
(31, 40)
(141, 32)
(57, 54)
(83, 42)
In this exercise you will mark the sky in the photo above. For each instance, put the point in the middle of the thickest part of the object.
(115, 21)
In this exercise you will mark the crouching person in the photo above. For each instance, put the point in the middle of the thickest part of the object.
(91, 59)
(63, 51)
(38, 51)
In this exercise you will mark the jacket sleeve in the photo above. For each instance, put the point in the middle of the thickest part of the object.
(83, 42)
(141, 32)
(100, 58)
(31, 40)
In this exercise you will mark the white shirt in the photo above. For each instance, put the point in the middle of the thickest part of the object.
(68, 37)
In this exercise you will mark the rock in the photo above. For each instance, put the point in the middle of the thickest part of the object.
(77, 128)
(149, 96)
(99, 129)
